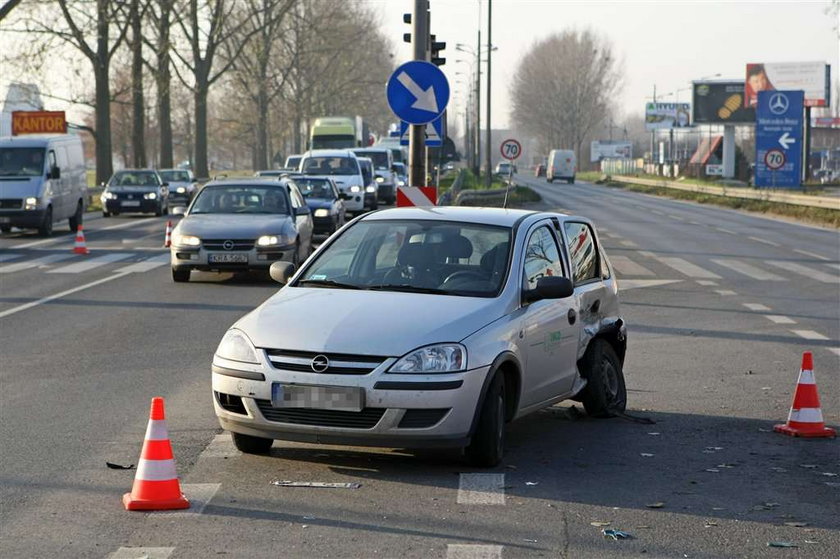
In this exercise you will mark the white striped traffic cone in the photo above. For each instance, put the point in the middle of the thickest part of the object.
(167, 240)
(805, 418)
(79, 246)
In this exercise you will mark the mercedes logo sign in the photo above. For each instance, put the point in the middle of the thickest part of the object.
(227, 245)
(779, 103)
(320, 363)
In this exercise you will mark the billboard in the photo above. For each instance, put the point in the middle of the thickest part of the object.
(720, 103)
(38, 122)
(778, 138)
(610, 150)
(814, 78)
(664, 116)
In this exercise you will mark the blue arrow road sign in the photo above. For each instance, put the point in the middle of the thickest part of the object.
(417, 92)
(434, 133)
(778, 142)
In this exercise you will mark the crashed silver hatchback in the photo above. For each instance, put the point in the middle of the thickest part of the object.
(419, 327)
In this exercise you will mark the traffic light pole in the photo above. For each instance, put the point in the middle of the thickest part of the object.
(417, 132)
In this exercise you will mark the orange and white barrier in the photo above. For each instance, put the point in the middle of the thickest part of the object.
(79, 246)
(805, 418)
(420, 196)
(167, 239)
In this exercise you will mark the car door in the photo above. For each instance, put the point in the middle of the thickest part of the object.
(587, 271)
(550, 327)
(303, 222)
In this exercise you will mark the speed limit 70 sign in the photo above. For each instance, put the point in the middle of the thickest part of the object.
(511, 149)
(775, 159)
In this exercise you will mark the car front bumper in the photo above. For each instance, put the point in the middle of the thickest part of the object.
(131, 206)
(22, 218)
(400, 410)
(198, 258)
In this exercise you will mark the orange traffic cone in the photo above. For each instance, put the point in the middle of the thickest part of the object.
(79, 247)
(156, 484)
(167, 240)
(805, 418)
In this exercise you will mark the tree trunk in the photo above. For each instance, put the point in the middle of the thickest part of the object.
(138, 116)
(262, 129)
(164, 76)
(104, 164)
(201, 169)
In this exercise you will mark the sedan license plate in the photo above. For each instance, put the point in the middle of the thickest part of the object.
(228, 258)
(5, 219)
(344, 398)
(130, 203)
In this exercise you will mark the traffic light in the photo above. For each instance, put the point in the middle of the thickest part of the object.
(435, 47)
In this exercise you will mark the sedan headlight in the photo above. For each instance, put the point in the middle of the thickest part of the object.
(380, 179)
(181, 190)
(30, 203)
(370, 189)
(400, 182)
(439, 358)
(150, 196)
(185, 240)
(236, 346)
(355, 188)
(274, 240)
(322, 212)
(109, 196)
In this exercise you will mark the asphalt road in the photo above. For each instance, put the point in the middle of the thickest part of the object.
(720, 307)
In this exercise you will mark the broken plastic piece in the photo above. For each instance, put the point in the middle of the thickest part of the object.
(657, 505)
(599, 523)
(616, 534)
(646, 454)
(781, 544)
(532, 483)
(119, 466)
(318, 484)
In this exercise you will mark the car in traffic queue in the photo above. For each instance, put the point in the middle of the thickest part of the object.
(325, 202)
(400, 174)
(481, 316)
(384, 172)
(342, 166)
(181, 184)
(135, 191)
(371, 193)
(539, 170)
(236, 225)
(292, 162)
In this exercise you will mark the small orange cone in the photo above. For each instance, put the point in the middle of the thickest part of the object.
(79, 247)
(156, 485)
(167, 240)
(805, 418)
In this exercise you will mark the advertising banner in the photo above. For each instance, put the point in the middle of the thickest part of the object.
(814, 78)
(720, 103)
(664, 116)
(778, 139)
(38, 122)
(610, 150)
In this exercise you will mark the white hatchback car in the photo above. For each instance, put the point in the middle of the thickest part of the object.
(419, 327)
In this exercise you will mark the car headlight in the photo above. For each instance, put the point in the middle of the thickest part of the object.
(439, 358)
(30, 203)
(370, 189)
(380, 179)
(400, 183)
(181, 190)
(355, 188)
(321, 212)
(109, 196)
(236, 346)
(268, 240)
(150, 196)
(185, 240)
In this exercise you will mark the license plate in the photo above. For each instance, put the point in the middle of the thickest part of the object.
(344, 398)
(228, 258)
(130, 203)
(5, 219)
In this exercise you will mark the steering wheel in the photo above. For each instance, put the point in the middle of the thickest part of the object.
(463, 274)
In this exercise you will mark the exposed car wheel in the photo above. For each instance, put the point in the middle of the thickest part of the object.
(76, 219)
(375, 204)
(605, 392)
(251, 445)
(46, 227)
(488, 442)
(180, 276)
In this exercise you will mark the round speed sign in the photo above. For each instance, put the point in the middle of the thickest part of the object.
(511, 149)
(775, 159)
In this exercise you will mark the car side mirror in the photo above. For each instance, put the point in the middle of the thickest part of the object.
(302, 210)
(55, 172)
(550, 287)
(343, 196)
(281, 271)
(178, 210)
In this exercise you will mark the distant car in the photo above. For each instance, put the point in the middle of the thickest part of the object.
(401, 174)
(292, 162)
(539, 170)
(135, 191)
(503, 169)
(450, 166)
(240, 225)
(562, 165)
(383, 172)
(325, 201)
(182, 185)
(343, 167)
(371, 189)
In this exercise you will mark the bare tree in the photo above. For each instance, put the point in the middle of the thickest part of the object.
(7, 7)
(138, 120)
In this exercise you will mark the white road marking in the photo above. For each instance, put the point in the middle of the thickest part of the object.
(835, 266)
(34, 263)
(481, 489)
(706, 282)
(779, 319)
(87, 265)
(687, 268)
(678, 218)
(729, 231)
(765, 241)
(461, 551)
(49, 298)
(748, 270)
(625, 284)
(756, 307)
(835, 350)
(220, 447)
(725, 292)
(68, 239)
(198, 494)
(6, 256)
(803, 271)
(695, 223)
(628, 243)
(147, 264)
(811, 254)
(626, 267)
(809, 334)
(142, 553)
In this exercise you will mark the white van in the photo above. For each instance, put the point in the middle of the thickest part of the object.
(561, 165)
(342, 166)
(42, 180)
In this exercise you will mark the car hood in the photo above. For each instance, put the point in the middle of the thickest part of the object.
(120, 189)
(19, 187)
(341, 181)
(384, 323)
(316, 203)
(233, 226)
(176, 184)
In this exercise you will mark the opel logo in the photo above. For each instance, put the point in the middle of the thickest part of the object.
(779, 103)
(227, 245)
(131, 196)
(320, 363)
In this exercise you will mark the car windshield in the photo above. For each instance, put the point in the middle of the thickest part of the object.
(435, 257)
(241, 199)
(134, 178)
(379, 158)
(293, 162)
(330, 166)
(174, 176)
(27, 162)
(315, 188)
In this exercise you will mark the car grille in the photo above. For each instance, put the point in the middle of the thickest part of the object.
(365, 419)
(422, 418)
(11, 203)
(230, 403)
(218, 244)
(340, 363)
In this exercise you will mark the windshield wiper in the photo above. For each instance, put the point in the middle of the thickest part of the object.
(328, 283)
(409, 289)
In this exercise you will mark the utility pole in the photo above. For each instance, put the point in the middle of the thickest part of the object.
(477, 159)
(417, 132)
(488, 176)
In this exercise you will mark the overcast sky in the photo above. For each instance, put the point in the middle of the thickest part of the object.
(663, 43)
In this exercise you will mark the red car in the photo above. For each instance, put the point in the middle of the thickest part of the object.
(539, 171)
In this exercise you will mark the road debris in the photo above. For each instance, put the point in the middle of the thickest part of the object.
(796, 524)
(778, 469)
(781, 544)
(657, 505)
(710, 524)
(532, 483)
(599, 523)
(616, 534)
(728, 466)
(809, 466)
(712, 470)
(646, 455)
(828, 474)
(317, 484)
(529, 541)
(119, 466)
(654, 434)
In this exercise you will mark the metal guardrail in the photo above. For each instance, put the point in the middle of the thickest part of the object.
(739, 192)
(466, 197)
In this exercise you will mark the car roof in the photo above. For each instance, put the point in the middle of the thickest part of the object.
(248, 181)
(329, 153)
(487, 216)
(136, 171)
(383, 149)
(35, 140)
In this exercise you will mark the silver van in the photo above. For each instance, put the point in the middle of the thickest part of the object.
(42, 181)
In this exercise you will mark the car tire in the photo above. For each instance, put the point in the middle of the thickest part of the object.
(488, 442)
(571, 180)
(250, 444)
(159, 210)
(105, 214)
(76, 219)
(180, 276)
(605, 392)
(46, 227)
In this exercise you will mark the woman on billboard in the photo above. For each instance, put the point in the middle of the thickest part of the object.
(757, 80)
